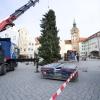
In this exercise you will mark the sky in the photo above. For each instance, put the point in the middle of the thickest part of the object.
(85, 12)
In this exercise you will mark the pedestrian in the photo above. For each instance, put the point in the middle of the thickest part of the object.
(37, 65)
(77, 57)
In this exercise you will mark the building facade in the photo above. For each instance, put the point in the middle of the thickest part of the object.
(91, 46)
(26, 44)
(31, 47)
(82, 47)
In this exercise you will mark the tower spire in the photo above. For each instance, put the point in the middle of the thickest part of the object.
(74, 23)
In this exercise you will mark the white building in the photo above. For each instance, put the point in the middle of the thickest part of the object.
(26, 43)
(31, 47)
(23, 40)
(91, 46)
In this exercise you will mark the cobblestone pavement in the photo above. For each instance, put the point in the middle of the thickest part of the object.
(88, 85)
(25, 84)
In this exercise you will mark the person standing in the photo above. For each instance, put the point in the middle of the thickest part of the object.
(77, 57)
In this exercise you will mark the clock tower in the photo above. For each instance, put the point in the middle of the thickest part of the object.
(75, 37)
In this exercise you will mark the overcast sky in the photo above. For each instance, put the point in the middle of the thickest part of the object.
(85, 12)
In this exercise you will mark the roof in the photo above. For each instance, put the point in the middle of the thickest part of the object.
(82, 39)
(93, 36)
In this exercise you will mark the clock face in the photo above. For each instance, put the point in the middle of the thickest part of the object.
(75, 31)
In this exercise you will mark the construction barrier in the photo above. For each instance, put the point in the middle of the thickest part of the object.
(54, 96)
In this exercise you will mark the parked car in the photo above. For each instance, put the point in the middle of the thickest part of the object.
(60, 71)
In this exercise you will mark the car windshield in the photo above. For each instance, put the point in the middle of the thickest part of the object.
(68, 65)
(53, 65)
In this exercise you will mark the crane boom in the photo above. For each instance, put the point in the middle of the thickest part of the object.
(9, 21)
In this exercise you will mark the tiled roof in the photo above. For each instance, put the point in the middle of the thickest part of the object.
(82, 39)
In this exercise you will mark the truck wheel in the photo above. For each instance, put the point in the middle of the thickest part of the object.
(3, 69)
(10, 67)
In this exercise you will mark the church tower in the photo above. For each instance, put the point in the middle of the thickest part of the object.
(75, 37)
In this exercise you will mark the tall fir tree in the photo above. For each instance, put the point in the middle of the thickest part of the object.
(49, 41)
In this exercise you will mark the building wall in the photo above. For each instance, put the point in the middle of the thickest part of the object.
(23, 41)
(31, 47)
(64, 47)
(82, 48)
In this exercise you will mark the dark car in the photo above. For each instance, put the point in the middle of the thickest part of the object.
(60, 71)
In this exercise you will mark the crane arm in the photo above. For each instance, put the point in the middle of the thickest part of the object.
(21, 10)
(9, 21)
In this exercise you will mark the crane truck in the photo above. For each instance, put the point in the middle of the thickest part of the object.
(9, 57)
